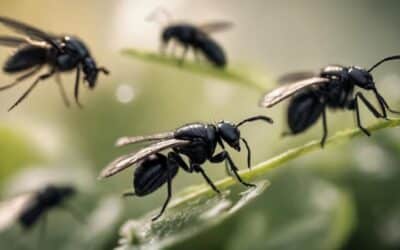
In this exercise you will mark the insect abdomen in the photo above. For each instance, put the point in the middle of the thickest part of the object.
(152, 173)
(303, 111)
(213, 52)
(31, 214)
(25, 58)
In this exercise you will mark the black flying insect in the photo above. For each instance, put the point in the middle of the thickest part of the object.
(196, 141)
(28, 208)
(61, 53)
(190, 36)
(198, 39)
(332, 88)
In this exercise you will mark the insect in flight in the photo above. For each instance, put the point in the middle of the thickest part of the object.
(196, 141)
(195, 37)
(39, 48)
(28, 208)
(332, 88)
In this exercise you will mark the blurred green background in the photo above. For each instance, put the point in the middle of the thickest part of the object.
(344, 197)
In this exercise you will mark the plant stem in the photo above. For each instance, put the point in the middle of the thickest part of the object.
(262, 168)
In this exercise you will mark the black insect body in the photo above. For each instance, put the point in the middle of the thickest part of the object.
(44, 200)
(190, 36)
(197, 141)
(60, 53)
(332, 88)
(30, 207)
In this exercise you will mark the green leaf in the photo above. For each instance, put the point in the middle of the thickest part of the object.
(186, 219)
(16, 151)
(300, 211)
(238, 75)
(202, 197)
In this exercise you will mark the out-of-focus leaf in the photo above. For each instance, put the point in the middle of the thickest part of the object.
(16, 151)
(300, 211)
(184, 220)
(234, 75)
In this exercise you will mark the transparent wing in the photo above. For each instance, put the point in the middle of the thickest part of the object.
(283, 92)
(126, 161)
(28, 30)
(295, 77)
(131, 140)
(12, 41)
(215, 26)
(10, 210)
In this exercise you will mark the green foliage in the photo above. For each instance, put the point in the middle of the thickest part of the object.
(239, 75)
(16, 151)
(340, 216)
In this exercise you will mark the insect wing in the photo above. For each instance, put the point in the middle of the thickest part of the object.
(128, 160)
(295, 77)
(131, 140)
(215, 26)
(12, 41)
(28, 30)
(10, 210)
(283, 92)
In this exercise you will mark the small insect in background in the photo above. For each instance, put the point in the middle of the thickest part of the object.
(197, 141)
(190, 36)
(29, 208)
(61, 53)
(333, 87)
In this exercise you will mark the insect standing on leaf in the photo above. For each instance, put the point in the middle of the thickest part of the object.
(332, 88)
(195, 37)
(196, 141)
(28, 208)
(60, 52)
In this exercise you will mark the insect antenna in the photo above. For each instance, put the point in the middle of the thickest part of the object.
(103, 70)
(390, 58)
(161, 16)
(255, 118)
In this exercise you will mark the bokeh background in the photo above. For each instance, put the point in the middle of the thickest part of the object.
(344, 197)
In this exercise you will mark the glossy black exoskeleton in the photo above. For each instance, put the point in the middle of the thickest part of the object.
(332, 88)
(61, 53)
(190, 36)
(197, 141)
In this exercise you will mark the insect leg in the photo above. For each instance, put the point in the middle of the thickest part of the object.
(177, 158)
(196, 55)
(248, 152)
(324, 127)
(76, 89)
(358, 115)
(40, 78)
(224, 155)
(62, 90)
(185, 51)
(169, 194)
(128, 194)
(370, 107)
(383, 101)
(21, 78)
(235, 169)
(198, 169)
